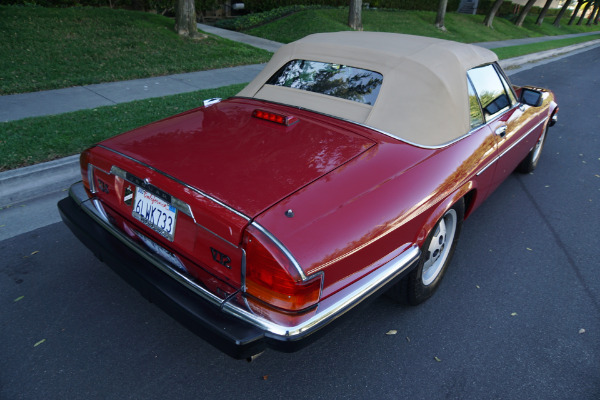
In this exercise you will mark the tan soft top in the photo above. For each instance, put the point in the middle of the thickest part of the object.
(424, 95)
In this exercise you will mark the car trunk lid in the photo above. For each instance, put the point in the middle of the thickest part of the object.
(247, 163)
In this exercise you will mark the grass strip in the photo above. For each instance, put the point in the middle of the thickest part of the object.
(35, 140)
(464, 28)
(516, 51)
(50, 48)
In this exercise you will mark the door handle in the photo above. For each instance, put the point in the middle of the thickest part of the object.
(501, 131)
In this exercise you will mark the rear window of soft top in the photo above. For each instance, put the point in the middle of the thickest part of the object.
(343, 81)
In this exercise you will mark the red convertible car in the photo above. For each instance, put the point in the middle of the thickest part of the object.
(343, 170)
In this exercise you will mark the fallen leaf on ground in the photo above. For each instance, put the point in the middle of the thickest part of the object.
(34, 252)
(265, 377)
(514, 314)
(529, 249)
(408, 339)
(437, 359)
(18, 298)
(581, 331)
(391, 332)
(40, 342)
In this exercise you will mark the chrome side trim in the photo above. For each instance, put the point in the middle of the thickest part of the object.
(209, 197)
(327, 311)
(91, 180)
(511, 146)
(283, 248)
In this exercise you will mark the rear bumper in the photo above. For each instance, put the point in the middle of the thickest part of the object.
(231, 325)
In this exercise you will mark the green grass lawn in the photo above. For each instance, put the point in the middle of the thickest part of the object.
(34, 140)
(460, 27)
(49, 48)
(515, 51)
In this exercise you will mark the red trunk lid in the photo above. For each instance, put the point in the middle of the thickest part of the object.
(247, 163)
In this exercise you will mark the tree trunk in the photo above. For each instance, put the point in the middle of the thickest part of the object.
(185, 19)
(490, 17)
(540, 18)
(585, 10)
(577, 7)
(594, 15)
(524, 12)
(441, 15)
(561, 13)
(355, 15)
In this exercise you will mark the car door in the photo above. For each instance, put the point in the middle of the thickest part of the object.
(504, 116)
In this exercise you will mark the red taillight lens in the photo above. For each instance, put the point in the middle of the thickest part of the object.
(277, 118)
(272, 277)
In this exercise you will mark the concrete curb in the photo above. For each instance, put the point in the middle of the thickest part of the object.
(529, 58)
(40, 179)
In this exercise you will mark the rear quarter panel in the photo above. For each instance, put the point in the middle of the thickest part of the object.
(361, 215)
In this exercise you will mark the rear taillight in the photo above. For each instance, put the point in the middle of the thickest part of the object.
(272, 276)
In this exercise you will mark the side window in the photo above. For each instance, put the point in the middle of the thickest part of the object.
(490, 89)
(474, 108)
(507, 87)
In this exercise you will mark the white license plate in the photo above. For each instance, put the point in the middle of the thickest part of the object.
(155, 212)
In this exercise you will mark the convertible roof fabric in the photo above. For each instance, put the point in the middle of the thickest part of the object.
(424, 96)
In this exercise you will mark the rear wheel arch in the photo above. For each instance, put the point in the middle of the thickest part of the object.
(466, 193)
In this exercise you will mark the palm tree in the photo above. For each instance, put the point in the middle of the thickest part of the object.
(585, 10)
(577, 7)
(561, 13)
(524, 12)
(441, 15)
(540, 18)
(185, 19)
(595, 13)
(355, 15)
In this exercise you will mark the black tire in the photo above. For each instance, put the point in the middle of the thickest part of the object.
(423, 281)
(530, 162)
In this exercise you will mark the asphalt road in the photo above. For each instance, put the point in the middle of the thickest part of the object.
(517, 316)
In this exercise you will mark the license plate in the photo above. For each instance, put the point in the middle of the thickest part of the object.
(155, 212)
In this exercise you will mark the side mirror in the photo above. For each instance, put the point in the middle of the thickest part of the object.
(531, 97)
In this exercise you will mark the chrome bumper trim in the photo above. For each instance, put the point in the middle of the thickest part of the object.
(327, 311)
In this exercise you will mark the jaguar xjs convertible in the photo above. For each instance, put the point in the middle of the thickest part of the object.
(344, 170)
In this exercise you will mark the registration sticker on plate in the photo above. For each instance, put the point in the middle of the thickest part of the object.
(155, 212)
